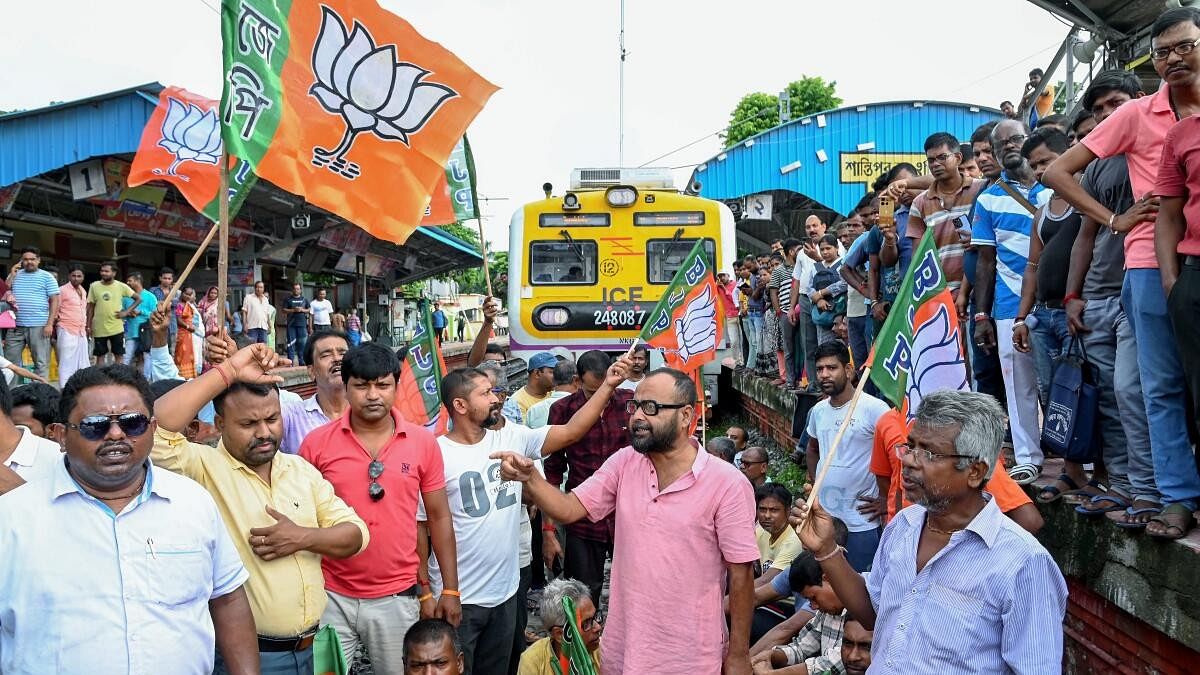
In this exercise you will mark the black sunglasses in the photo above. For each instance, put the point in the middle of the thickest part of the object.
(374, 471)
(651, 408)
(95, 427)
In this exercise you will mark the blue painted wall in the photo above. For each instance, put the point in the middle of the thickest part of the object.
(768, 160)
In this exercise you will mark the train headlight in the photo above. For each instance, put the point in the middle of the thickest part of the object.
(621, 196)
(570, 202)
(553, 316)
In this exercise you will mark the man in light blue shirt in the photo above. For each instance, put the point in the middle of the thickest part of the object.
(1000, 233)
(956, 587)
(36, 294)
(112, 566)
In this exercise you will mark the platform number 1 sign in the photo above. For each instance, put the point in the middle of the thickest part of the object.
(87, 179)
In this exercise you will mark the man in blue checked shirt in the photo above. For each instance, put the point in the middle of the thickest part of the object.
(956, 587)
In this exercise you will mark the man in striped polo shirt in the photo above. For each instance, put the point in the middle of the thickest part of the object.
(1003, 221)
(36, 294)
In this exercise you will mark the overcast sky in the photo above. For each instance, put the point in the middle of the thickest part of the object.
(556, 63)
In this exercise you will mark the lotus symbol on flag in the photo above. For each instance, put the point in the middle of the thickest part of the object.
(937, 360)
(189, 133)
(370, 88)
(696, 330)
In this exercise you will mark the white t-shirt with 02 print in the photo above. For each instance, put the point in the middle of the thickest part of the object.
(487, 513)
(850, 474)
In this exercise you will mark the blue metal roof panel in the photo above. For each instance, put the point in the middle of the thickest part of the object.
(33, 142)
(887, 133)
(440, 235)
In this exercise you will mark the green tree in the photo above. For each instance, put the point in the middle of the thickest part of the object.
(758, 112)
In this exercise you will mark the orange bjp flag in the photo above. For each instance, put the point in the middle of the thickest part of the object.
(181, 145)
(346, 104)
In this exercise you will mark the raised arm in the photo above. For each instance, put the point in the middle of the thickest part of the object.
(479, 347)
(253, 364)
(815, 528)
(562, 435)
(1060, 176)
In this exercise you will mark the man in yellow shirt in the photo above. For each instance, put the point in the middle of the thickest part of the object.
(541, 382)
(778, 544)
(282, 514)
(105, 319)
(542, 657)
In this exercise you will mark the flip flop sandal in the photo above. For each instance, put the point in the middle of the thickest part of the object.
(1118, 504)
(1054, 493)
(1082, 495)
(1133, 513)
(1173, 510)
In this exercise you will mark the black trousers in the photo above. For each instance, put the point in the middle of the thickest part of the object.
(518, 643)
(486, 634)
(584, 561)
(1183, 306)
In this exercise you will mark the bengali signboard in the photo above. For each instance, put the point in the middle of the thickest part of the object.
(865, 167)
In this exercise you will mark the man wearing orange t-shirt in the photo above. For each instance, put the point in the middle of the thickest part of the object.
(892, 431)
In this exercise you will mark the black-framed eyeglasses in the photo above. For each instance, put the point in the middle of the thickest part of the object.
(1018, 140)
(651, 408)
(743, 463)
(939, 159)
(96, 427)
(924, 455)
(374, 471)
(1182, 49)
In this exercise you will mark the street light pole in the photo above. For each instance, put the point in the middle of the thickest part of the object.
(621, 96)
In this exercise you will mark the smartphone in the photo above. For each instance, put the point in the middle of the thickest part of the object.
(887, 210)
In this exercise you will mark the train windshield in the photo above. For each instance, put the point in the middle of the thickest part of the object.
(563, 263)
(664, 257)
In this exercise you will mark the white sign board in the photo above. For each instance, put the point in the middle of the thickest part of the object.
(758, 207)
(87, 179)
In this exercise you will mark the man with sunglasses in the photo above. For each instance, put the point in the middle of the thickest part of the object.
(112, 565)
(684, 528)
(303, 521)
(487, 509)
(956, 586)
(381, 465)
(753, 462)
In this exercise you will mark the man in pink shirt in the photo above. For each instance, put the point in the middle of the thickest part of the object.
(71, 323)
(684, 522)
(729, 292)
(1137, 130)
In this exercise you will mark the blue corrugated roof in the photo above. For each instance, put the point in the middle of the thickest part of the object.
(786, 157)
(33, 142)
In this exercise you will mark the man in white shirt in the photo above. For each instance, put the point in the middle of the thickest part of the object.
(849, 480)
(111, 566)
(639, 363)
(256, 314)
(321, 309)
(24, 456)
(486, 509)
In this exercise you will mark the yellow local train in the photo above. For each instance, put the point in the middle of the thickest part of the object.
(588, 266)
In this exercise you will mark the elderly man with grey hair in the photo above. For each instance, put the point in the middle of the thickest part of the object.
(538, 659)
(956, 586)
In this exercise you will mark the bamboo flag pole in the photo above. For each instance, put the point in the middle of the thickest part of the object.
(487, 273)
(223, 242)
(837, 440)
(178, 287)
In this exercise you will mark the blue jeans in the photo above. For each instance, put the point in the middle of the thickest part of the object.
(1050, 339)
(860, 548)
(296, 337)
(1124, 433)
(857, 327)
(276, 663)
(1162, 387)
(754, 336)
(258, 335)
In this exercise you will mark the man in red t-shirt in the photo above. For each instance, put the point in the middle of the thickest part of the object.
(891, 431)
(380, 464)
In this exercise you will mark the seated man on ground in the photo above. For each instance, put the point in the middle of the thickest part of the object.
(856, 646)
(788, 585)
(720, 447)
(753, 464)
(540, 657)
(817, 647)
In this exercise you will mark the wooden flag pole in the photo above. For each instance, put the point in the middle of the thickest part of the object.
(178, 287)
(837, 440)
(223, 242)
(487, 273)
